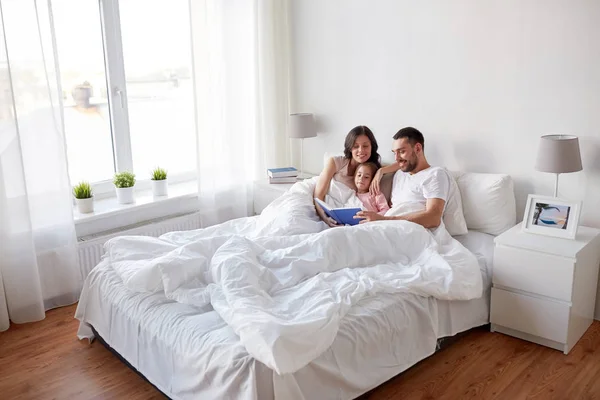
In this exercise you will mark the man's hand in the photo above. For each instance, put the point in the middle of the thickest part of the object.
(368, 216)
(374, 188)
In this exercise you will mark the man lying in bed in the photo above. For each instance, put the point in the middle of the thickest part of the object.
(416, 182)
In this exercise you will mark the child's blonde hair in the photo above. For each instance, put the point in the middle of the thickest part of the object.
(371, 165)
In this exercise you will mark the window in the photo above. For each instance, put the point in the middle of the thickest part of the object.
(159, 84)
(126, 76)
(85, 96)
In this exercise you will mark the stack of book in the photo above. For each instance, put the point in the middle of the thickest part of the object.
(282, 175)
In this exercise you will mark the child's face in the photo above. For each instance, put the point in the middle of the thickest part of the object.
(362, 179)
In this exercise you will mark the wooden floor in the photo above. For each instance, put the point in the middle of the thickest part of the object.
(44, 360)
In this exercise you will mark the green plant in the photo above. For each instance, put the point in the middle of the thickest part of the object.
(124, 179)
(82, 190)
(159, 174)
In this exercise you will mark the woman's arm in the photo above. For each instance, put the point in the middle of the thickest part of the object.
(323, 187)
(325, 179)
(388, 169)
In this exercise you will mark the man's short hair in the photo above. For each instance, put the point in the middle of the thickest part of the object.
(413, 135)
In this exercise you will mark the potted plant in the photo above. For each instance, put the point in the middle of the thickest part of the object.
(84, 197)
(81, 94)
(124, 182)
(159, 182)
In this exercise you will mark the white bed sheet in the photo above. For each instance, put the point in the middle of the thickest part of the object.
(382, 336)
(189, 353)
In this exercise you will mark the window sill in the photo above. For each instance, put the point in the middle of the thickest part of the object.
(110, 215)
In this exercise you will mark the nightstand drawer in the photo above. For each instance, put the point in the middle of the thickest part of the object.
(543, 318)
(533, 272)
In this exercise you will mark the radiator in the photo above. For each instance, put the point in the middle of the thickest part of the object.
(91, 247)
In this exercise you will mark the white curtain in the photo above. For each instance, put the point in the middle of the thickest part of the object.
(241, 59)
(38, 246)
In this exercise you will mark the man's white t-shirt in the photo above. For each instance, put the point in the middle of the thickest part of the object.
(430, 183)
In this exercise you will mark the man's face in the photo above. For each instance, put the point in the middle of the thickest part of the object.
(405, 154)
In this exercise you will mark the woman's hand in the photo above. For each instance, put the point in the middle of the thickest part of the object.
(368, 216)
(374, 188)
(329, 221)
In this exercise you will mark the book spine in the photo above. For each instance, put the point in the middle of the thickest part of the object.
(287, 174)
(283, 180)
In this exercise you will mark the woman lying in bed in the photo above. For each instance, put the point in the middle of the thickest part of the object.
(360, 147)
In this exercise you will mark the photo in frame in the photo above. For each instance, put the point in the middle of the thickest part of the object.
(551, 216)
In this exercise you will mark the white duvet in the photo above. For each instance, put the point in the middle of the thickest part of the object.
(283, 280)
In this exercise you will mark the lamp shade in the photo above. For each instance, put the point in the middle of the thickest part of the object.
(558, 154)
(302, 126)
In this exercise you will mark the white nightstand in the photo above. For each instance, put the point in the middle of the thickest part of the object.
(265, 193)
(544, 288)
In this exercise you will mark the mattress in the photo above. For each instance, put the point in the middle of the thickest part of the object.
(190, 353)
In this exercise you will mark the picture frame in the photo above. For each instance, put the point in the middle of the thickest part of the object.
(551, 216)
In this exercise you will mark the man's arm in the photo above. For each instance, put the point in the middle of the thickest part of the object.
(374, 188)
(388, 169)
(430, 218)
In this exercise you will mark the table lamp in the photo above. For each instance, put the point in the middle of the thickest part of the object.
(558, 154)
(302, 126)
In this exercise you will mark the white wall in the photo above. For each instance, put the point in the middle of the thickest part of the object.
(482, 79)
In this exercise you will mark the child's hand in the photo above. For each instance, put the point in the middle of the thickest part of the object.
(374, 188)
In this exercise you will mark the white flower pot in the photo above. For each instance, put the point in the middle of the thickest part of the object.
(125, 195)
(159, 188)
(85, 206)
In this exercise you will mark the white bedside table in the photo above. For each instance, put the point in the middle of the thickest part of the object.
(544, 288)
(265, 193)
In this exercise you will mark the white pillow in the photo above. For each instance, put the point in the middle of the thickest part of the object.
(453, 217)
(488, 201)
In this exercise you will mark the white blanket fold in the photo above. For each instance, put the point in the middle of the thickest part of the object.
(282, 281)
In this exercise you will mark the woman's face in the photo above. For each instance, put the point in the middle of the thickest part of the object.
(361, 150)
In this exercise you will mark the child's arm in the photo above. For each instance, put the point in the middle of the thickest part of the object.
(382, 204)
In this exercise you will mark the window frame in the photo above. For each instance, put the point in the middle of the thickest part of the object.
(116, 85)
(114, 65)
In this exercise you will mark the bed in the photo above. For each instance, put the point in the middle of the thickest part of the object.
(189, 352)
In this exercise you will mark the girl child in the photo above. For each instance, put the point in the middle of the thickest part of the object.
(362, 179)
